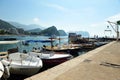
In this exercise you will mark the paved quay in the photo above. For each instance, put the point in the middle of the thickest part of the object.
(102, 63)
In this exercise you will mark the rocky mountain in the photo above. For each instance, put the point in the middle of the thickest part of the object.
(26, 27)
(50, 31)
(8, 28)
(18, 29)
(62, 33)
(34, 31)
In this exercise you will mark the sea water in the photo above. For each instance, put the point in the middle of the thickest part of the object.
(28, 48)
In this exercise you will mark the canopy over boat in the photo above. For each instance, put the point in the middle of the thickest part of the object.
(9, 42)
(43, 41)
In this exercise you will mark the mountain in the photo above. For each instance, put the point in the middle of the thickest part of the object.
(17, 28)
(83, 33)
(26, 27)
(50, 31)
(34, 31)
(8, 28)
(34, 26)
(62, 33)
(18, 25)
(5, 25)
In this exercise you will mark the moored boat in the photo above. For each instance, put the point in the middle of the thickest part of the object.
(1, 70)
(20, 63)
(62, 48)
(50, 58)
(24, 64)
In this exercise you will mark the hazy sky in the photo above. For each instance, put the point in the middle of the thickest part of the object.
(69, 15)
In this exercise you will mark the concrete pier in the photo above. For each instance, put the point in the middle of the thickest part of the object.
(102, 63)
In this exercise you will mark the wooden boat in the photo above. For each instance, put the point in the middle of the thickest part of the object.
(88, 45)
(61, 48)
(50, 58)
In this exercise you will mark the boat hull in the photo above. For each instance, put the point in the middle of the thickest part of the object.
(24, 71)
(61, 49)
(54, 62)
(1, 70)
(51, 58)
(23, 64)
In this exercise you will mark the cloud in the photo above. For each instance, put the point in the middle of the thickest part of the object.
(36, 20)
(56, 6)
(114, 18)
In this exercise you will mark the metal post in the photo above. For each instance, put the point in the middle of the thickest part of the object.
(116, 30)
(117, 33)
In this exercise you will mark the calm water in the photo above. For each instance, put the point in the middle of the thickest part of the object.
(5, 47)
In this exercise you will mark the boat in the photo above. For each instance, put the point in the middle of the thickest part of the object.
(88, 45)
(4, 71)
(51, 58)
(69, 48)
(21, 63)
(1, 70)
(62, 48)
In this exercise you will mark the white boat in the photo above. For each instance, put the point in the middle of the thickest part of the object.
(1, 70)
(4, 70)
(50, 58)
(24, 64)
(20, 63)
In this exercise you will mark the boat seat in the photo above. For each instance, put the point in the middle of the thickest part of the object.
(13, 50)
(3, 54)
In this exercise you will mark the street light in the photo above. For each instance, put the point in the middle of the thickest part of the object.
(117, 28)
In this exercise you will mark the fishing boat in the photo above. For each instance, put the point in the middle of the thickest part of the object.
(20, 63)
(62, 48)
(51, 58)
(88, 45)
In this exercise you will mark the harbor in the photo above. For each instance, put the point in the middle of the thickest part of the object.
(59, 40)
(102, 63)
(23, 61)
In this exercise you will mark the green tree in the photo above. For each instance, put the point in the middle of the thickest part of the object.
(118, 22)
(2, 32)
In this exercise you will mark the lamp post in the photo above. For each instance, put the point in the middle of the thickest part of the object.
(117, 28)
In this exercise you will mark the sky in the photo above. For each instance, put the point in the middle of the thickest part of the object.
(68, 15)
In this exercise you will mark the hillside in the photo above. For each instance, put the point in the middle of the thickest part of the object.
(33, 29)
(26, 27)
(50, 31)
(8, 28)
(62, 33)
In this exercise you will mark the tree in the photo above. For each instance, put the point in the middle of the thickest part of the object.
(118, 22)
(2, 31)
